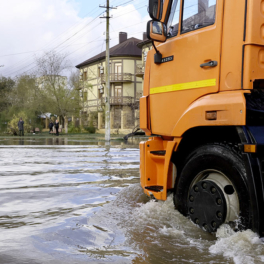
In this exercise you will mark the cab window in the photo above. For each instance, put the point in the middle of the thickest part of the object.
(173, 22)
(197, 14)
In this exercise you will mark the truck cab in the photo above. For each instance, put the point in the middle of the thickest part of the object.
(203, 108)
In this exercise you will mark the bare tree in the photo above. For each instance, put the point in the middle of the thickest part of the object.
(60, 94)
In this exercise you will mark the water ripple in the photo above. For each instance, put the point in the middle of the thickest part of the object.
(80, 204)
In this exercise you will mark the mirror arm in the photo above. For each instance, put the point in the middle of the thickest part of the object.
(155, 47)
(157, 56)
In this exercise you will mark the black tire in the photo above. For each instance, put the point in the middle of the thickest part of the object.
(218, 157)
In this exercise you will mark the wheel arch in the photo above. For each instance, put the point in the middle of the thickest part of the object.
(197, 136)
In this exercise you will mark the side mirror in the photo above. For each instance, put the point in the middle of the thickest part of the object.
(156, 9)
(156, 31)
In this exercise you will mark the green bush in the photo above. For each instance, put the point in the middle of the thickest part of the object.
(12, 124)
(90, 129)
(73, 129)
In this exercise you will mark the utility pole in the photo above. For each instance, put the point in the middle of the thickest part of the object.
(107, 72)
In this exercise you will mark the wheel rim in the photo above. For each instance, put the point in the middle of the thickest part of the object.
(212, 200)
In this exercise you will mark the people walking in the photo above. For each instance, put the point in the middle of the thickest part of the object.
(20, 125)
(51, 126)
(57, 127)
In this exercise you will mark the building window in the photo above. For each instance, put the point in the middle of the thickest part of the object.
(118, 71)
(118, 91)
(84, 76)
(118, 67)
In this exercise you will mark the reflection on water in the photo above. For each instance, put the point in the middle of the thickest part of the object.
(73, 140)
(83, 204)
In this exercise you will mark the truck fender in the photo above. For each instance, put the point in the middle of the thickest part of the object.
(228, 107)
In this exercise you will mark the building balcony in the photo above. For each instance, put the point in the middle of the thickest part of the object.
(118, 77)
(121, 100)
(139, 70)
(95, 103)
(98, 103)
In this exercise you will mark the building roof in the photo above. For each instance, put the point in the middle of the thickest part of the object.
(144, 42)
(127, 48)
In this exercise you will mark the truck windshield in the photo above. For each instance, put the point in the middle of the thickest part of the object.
(173, 22)
(197, 14)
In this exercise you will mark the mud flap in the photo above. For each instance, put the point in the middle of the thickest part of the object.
(157, 173)
(254, 163)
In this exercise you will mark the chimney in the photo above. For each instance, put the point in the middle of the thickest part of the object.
(145, 35)
(122, 37)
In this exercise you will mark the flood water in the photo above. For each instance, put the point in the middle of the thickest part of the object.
(80, 201)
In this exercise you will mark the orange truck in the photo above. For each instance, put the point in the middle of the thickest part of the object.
(203, 108)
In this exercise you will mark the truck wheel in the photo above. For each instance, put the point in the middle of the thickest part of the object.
(211, 188)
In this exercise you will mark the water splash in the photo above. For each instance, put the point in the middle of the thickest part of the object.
(243, 247)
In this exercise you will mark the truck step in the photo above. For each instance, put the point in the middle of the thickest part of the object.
(158, 152)
(155, 188)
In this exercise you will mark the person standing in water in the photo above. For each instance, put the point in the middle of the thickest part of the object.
(50, 126)
(20, 125)
(57, 127)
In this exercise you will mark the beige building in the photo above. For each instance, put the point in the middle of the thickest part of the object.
(125, 87)
(145, 46)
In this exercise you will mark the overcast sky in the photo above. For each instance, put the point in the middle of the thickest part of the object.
(31, 27)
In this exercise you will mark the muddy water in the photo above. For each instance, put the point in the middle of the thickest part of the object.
(83, 204)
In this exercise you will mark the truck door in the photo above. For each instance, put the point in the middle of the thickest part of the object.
(190, 64)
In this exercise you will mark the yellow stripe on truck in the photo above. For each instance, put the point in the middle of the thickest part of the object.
(183, 86)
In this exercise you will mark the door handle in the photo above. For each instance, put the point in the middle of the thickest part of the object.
(209, 64)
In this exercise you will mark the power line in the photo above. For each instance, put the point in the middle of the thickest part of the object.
(70, 39)
(125, 3)
(78, 31)
(66, 40)
(85, 46)
(52, 41)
